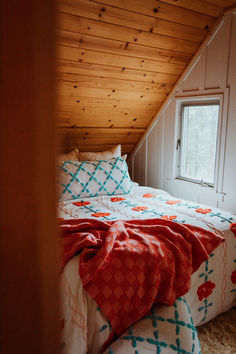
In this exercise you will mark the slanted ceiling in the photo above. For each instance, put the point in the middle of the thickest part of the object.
(117, 62)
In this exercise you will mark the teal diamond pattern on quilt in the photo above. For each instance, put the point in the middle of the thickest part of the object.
(93, 178)
(164, 330)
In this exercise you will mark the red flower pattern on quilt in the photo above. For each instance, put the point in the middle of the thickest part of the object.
(98, 215)
(173, 202)
(140, 208)
(149, 195)
(117, 199)
(80, 204)
(205, 290)
(233, 277)
(203, 211)
(169, 217)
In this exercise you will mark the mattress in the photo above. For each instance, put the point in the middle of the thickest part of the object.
(165, 329)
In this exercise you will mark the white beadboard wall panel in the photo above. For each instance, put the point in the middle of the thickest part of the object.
(214, 68)
(153, 152)
(229, 181)
(139, 164)
(217, 56)
(194, 80)
(169, 138)
(181, 189)
(208, 196)
(130, 167)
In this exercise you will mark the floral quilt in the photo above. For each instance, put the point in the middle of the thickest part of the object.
(165, 329)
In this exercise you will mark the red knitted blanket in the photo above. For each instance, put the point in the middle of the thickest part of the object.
(127, 266)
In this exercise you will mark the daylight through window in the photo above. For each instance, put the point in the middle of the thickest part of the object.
(198, 144)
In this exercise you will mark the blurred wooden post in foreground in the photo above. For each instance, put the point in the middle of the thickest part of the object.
(28, 245)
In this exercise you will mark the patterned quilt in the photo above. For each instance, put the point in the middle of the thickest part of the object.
(165, 329)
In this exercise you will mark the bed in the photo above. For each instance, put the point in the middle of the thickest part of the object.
(163, 329)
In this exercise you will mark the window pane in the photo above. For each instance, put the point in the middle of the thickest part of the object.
(199, 137)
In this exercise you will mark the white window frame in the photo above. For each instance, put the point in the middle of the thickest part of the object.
(196, 103)
(202, 98)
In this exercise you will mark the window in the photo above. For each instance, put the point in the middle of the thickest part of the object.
(198, 141)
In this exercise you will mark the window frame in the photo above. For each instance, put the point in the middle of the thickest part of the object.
(182, 139)
(198, 100)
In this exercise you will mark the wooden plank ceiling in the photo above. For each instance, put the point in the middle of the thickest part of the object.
(117, 62)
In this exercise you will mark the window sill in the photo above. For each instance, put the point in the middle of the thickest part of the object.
(196, 183)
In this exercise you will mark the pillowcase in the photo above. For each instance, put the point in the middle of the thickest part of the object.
(93, 178)
(72, 156)
(102, 155)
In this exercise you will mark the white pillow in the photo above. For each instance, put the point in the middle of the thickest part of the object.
(72, 156)
(102, 155)
(93, 178)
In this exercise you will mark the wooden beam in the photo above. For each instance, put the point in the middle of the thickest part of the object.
(221, 3)
(64, 66)
(101, 29)
(130, 19)
(83, 41)
(29, 262)
(125, 148)
(76, 102)
(163, 11)
(203, 7)
(72, 54)
(102, 82)
(107, 117)
(84, 131)
(99, 136)
(69, 92)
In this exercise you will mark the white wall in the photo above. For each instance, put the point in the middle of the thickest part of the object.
(214, 71)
